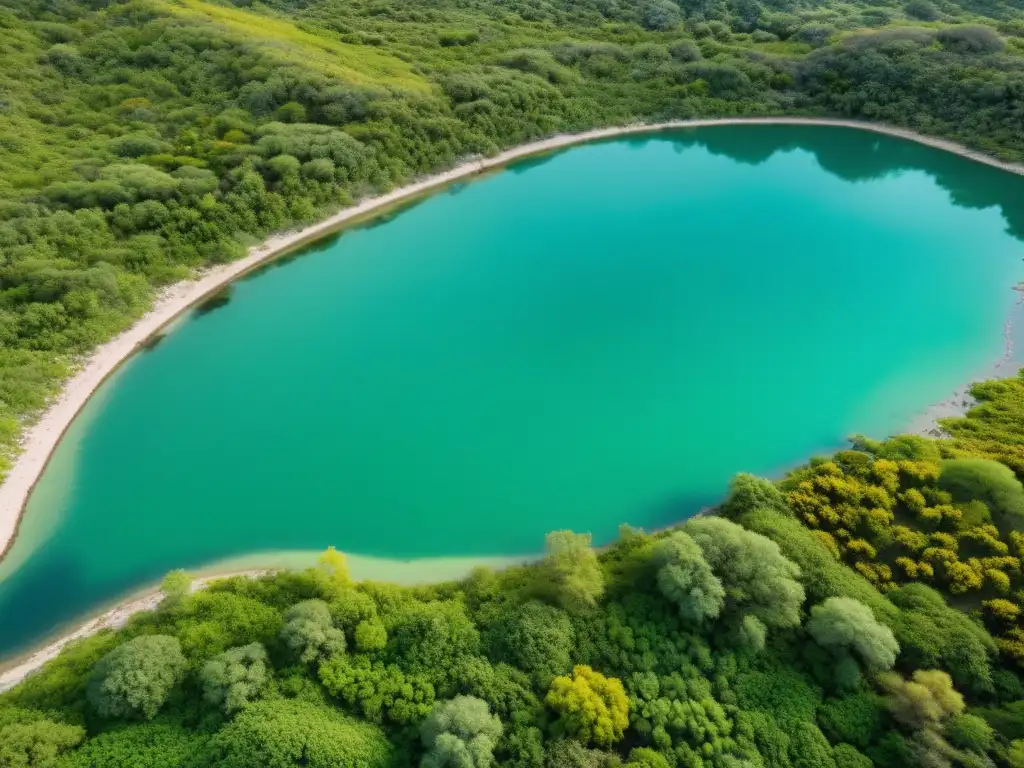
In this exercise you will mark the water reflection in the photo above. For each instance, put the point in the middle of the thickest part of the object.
(857, 156)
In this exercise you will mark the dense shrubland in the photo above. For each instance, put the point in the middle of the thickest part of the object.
(143, 139)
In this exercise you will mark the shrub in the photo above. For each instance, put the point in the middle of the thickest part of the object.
(460, 732)
(591, 707)
(686, 579)
(284, 733)
(989, 482)
(30, 740)
(921, 9)
(309, 632)
(971, 39)
(136, 678)
(970, 732)
(235, 677)
(846, 626)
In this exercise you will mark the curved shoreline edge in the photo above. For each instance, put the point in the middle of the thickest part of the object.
(40, 439)
(362, 568)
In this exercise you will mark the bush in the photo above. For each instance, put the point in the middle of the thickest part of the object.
(309, 632)
(684, 51)
(723, 80)
(460, 732)
(815, 35)
(537, 62)
(136, 678)
(235, 677)
(452, 37)
(146, 745)
(660, 15)
(857, 718)
(922, 10)
(971, 39)
(28, 739)
(287, 734)
(970, 732)
(590, 707)
(989, 482)
(845, 626)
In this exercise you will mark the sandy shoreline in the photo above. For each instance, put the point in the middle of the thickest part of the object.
(361, 567)
(40, 439)
(960, 401)
(115, 618)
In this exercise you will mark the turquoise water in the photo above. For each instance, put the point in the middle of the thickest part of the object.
(600, 336)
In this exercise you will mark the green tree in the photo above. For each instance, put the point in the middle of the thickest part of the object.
(855, 718)
(987, 481)
(808, 747)
(371, 635)
(925, 701)
(460, 733)
(235, 677)
(30, 740)
(141, 745)
(176, 586)
(933, 634)
(349, 607)
(847, 756)
(569, 753)
(1015, 754)
(748, 493)
(136, 678)
(570, 572)
(848, 629)
(534, 637)
(686, 579)
(821, 573)
(430, 638)
(282, 733)
(378, 691)
(213, 620)
(970, 732)
(643, 757)
(309, 632)
(759, 581)
(334, 565)
(591, 708)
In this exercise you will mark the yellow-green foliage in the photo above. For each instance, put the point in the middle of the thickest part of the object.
(992, 429)
(356, 64)
(890, 520)
(893, 524)
(591, 708)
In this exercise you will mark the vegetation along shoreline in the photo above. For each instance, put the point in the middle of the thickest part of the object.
(41, 438)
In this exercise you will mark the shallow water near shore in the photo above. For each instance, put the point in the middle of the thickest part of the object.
(600, 336)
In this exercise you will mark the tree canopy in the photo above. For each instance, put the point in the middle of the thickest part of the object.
(136, 678)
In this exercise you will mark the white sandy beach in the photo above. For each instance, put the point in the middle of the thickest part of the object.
(40, 439)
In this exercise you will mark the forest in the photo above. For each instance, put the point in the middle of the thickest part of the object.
(142, 140)
(865, 610)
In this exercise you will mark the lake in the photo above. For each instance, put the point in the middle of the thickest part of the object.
(600, 336)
